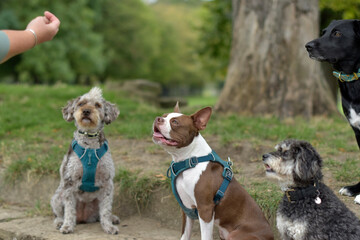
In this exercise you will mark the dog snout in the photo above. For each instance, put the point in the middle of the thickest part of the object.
(159, 120)
(310, 46)
(86, 112)
(265, 156)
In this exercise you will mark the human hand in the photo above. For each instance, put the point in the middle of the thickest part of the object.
(45, 27)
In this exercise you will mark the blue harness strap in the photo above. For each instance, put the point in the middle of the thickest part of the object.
(89, 158)
(177, 167)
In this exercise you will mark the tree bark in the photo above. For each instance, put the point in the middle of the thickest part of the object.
(269, 70)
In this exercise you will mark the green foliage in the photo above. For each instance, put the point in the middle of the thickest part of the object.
(74, 53)
(108, 39)
(338, 9)
(130, 31)
(216, 32)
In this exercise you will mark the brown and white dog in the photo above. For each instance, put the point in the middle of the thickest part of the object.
(237, 215)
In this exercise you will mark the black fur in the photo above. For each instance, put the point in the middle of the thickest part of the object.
(340, 46)
(330, 219)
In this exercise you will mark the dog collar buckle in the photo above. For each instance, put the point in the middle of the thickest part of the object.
(227, 173)
(193, 161)
(287, 193)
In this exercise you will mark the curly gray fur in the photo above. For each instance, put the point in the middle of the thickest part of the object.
(69, 203)
(304, 219)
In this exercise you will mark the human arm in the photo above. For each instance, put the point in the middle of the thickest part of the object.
(44, 27)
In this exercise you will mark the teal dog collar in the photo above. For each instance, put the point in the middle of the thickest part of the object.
(346, 77)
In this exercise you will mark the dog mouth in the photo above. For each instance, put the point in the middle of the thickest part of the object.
(86, 119)
(268, 168)
(158, 136)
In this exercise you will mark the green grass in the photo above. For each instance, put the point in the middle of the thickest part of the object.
(138, 188)
(34, 137)
(344, 171)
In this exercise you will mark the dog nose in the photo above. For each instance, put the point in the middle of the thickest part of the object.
(310, 45)
(266, 155)
(86, 112)
(159, 119)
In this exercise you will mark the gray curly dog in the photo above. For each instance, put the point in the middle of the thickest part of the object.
(85, 192)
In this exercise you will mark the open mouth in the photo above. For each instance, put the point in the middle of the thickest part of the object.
(157, 135)
(268, 168)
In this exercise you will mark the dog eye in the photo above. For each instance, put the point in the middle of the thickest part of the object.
(81, 104)
(337, 34)
(174, 121)
(98, 105)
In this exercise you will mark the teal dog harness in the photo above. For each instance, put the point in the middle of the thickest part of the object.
(89, 158)
(177, 167)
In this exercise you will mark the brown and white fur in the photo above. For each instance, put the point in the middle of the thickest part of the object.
(70, 204)
(237, 215)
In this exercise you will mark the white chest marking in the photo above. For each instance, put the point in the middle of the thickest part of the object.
(354, 118)
(185, 184)
(293, 229)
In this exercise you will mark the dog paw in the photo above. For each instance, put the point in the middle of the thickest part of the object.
(346, 192)
(65, 229)
(111, 229)
(115, 219)
(58, 222)
(357, 199)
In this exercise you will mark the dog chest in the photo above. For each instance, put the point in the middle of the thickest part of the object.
(291, 229)
(354, 118)
(186, 182)
(104, 170)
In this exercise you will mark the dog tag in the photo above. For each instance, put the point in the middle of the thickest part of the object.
(318, 200)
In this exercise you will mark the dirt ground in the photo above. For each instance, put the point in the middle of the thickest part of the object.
(144, 157)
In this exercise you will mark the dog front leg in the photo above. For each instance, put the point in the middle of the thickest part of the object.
(206, 225)
(187, 224)
(106, 218)
(69, 214)
(58, 209)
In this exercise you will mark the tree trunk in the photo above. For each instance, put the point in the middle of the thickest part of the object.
(270, 71)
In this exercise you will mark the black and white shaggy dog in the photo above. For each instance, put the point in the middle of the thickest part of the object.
(309, 210)
(340, 46)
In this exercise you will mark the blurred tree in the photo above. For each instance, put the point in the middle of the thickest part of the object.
(215, 37)
(74, 54)
(109, 39)
(270, 71)
(178, 62)
(131, 37)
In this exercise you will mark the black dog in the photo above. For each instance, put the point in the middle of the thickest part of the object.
(340, 46)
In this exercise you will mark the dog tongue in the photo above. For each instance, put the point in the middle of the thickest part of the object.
(158, 135)
(164, 140)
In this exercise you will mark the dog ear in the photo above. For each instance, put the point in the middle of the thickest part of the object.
(356, 25)
(111, 112)
(201, 118)
(68, 110)
(176, 108)
(308, 163)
